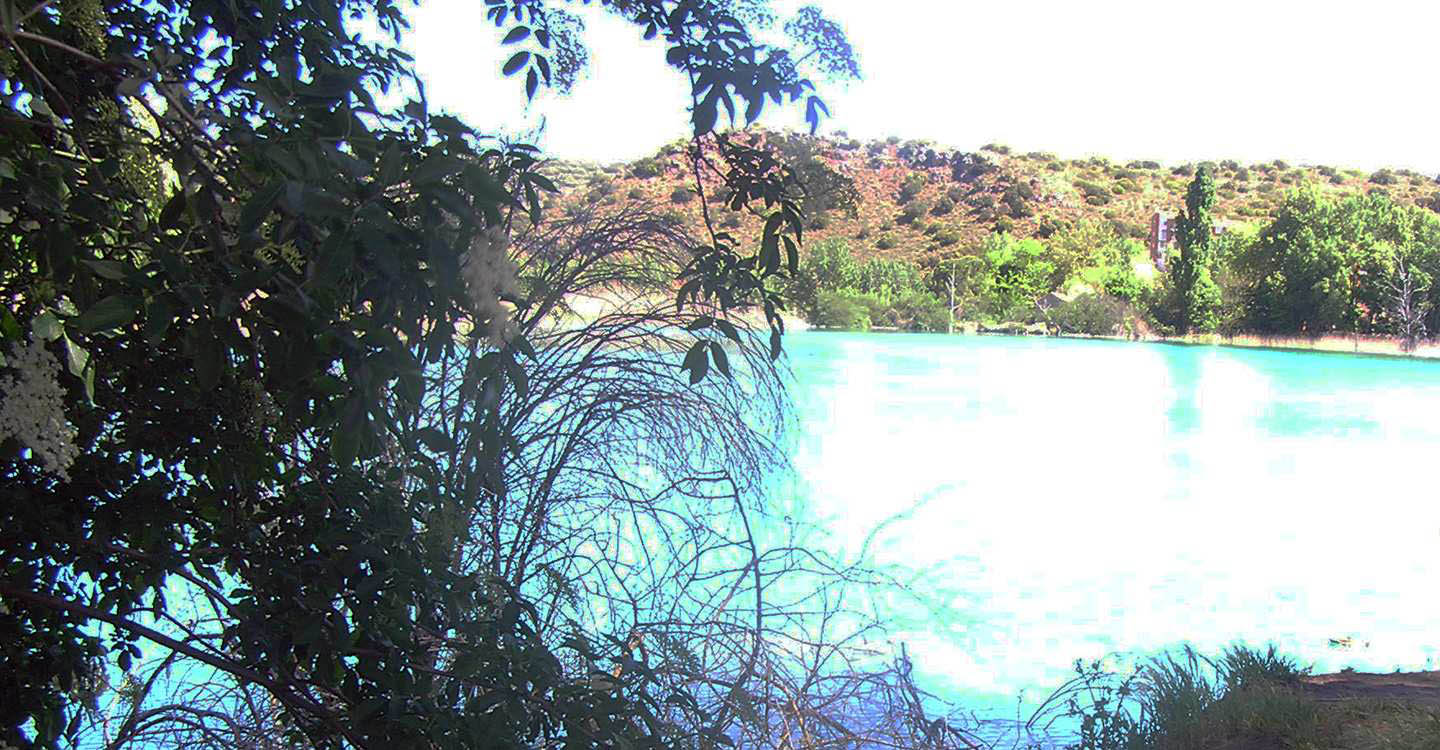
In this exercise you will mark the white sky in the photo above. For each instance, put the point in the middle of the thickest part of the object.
(1353, 84)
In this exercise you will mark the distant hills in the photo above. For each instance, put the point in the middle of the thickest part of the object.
(915, 201)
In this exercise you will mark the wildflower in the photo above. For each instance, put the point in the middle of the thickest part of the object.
(489, 276)
(32, 407)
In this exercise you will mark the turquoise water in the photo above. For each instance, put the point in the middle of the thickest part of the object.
(1059, 499)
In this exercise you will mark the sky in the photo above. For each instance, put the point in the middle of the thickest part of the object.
(1350, 84)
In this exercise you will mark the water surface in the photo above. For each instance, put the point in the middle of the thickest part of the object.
(1064, 499)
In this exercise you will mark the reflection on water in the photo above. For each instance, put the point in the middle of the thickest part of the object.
(1067, 499)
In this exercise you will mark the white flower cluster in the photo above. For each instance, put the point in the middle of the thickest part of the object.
(489, 274)
(32, 407)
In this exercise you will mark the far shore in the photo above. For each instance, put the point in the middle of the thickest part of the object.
(1374, 346)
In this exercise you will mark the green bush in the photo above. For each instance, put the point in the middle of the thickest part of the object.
(911, 187)
(912, 211)
(919, 311)
(1245, 667)
(1090, 314)
(1384, 177)
(947, 237)
(647, 168)
(681, 195)
(636, 194)
(1097, 200)
(842, 309)
(943, 206)
(885, 242)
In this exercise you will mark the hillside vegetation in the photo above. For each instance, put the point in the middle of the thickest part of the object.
(900, 231)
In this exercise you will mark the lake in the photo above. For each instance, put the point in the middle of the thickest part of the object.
(1060, 499)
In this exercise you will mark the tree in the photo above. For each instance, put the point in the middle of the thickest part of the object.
(828, 265)
(1017, 273)
(1194, 230)
(229, 276)
(1406, 288)
(954, 277)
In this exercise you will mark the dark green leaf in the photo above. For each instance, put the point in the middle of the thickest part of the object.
(722, 361)
(109, 313)
(107, 269)
(76, 356)
(46, 326)
(516, 35)
(697, 361)
(515, 63)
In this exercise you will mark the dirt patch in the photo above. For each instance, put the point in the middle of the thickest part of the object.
(1416, 688)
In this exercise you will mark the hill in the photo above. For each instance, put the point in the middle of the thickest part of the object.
(915, 201)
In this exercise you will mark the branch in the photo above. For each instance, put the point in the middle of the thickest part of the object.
(290, 699)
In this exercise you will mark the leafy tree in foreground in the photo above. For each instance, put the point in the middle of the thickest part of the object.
(234, 291)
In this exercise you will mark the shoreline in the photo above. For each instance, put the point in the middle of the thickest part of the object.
(1365, 346)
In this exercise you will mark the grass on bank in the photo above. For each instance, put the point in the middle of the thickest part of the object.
(1244, 700)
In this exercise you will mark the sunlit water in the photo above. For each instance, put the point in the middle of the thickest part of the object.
(1063, 499)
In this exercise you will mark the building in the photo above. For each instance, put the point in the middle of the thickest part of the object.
(1162, 234)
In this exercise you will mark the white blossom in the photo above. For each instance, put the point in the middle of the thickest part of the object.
(32, 407)
(489, 274)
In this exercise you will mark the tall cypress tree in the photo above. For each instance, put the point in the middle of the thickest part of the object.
(1199, 295)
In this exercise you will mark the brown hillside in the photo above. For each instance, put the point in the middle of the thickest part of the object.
(993, 189)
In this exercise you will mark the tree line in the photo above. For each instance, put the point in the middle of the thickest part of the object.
(1322, 265)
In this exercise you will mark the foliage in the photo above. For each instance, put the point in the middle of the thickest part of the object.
(825, 189)
(1186, 701)
(1362, 264)
(887, 279)
(911, 187)
(1089, 314)
(841, 309)
(1017, 273)
(345, 332)
(827, 265)
(1199, 297)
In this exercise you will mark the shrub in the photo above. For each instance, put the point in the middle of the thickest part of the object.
(1384, 177)
(818, 220)
(1092, 188)
(1004, 224)
(1097, 200)
(919, 311)
(647, 168)
(844, 309)
(1018, 208)
(947, 237)
(1090, 314)
(681, 195)
(912, 211)
(943, 206)
(885, 242)
(911, 187)
(1184, 170)
(955, 194)
(996, 148)
(731, 220)
(1246, 667)
(892, 140)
